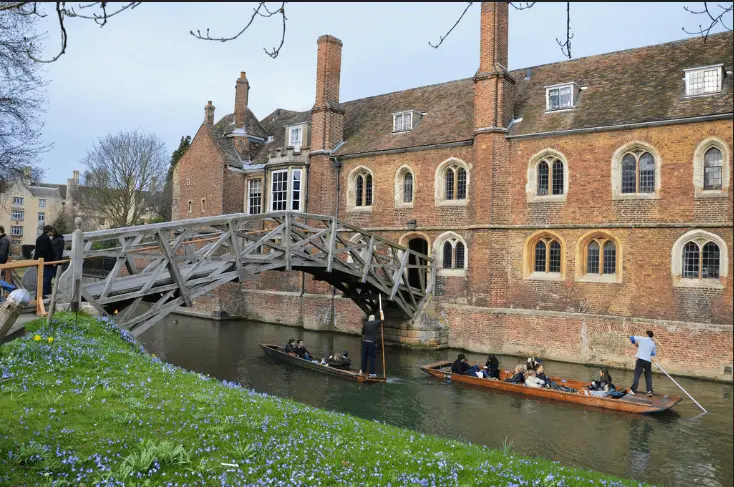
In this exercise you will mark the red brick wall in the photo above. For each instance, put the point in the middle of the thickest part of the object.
(198, 165)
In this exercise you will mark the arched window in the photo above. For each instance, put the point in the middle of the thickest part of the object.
(452, 252)
(407, 187)
(712, 167)
(601, 256)
(452, 182)
(550, 177)
(638, 172)
(701, 262)
(191, 206)
(360, 191)
(547, 256)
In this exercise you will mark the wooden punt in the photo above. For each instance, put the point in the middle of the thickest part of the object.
(349, 374)
(639, 403)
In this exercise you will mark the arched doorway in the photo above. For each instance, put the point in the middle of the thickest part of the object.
(417, 277)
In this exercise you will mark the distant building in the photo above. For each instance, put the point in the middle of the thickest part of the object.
(23, 205)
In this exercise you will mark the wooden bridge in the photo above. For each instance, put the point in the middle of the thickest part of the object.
(170, 264)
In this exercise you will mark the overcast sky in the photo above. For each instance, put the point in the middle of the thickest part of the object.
(144, 70)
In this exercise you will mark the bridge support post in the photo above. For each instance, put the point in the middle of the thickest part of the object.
(77, 265)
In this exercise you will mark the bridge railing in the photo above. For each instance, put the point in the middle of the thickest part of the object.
(180, 260)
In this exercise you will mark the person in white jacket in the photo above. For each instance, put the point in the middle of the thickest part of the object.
(646, 350)
(532, 381)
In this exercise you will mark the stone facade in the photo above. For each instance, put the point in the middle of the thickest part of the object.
(484, 222)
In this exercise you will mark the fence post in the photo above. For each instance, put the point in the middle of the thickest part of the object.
(77, 262)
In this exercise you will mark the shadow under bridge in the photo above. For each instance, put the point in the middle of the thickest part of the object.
(170, 264)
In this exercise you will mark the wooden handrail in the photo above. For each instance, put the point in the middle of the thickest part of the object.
(19, 264)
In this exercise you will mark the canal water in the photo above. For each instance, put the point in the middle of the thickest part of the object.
(676, 449)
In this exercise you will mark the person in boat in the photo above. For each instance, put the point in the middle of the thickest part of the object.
(290, 347)
(301, 351)
(339, 360)
(519, 376)
(461, 366)
(533, 363)
(491, 368)
(532, 380)
(603, 383)
(369, 343)
(540, 374)
(646, 350)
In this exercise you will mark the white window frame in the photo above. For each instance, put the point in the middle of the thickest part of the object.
(691, 72)
(293, 142)
(250, 184)
(289, 189)
(18, 215)
(698, 168)
(572, 86)
(16, 230)
(17, 200)
(700, 237)
(453, 239)
(42, 203)
(41, 216)
(402, 121)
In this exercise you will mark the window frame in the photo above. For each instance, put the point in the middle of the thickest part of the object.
(699, 171)
(558, 87)
(582, 254)
(14, 230)
(545, 238)
(452, 239)
(42, 202)
(452, 163)
(289, 189)
(550, 157)
(17, 201)
(400, 175)
(690, 72)
(636, 149)
(40, 214)
(259, 203)
(295, 129)
(353, 186)
(17, 215)
(190, 206)
(399, 128)
(700, 238)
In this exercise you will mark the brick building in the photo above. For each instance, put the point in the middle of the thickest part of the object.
(567, 205)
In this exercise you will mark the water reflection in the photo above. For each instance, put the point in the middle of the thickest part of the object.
(676, 449)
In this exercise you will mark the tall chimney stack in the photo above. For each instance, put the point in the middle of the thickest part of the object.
(209, 114)
(75, 176)
(493, 36)
(242, 88)
(327, 116)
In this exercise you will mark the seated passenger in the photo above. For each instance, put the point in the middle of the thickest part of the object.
(518, 377)
(492, 368)
(461, 366)
(301, 351)
(540, 374)
(532, 380)
(603, 383)
(339, 360)
(533, 363)
(290, 347)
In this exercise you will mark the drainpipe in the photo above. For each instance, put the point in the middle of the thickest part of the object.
(338, 165)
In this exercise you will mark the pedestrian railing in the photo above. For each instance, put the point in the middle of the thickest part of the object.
(10, 273)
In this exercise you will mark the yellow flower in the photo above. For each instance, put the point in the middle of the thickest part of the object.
(116, 312)
(50, 339)
(37, 338)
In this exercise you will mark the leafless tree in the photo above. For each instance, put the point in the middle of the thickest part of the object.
(123, 171)
(98, 12)
(21, 97)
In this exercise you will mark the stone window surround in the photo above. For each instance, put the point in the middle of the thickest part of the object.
(698, 156)
(268, 191)
(438, 255)
(529, 257)
(616, 171)
(532, 174)
(191, 206)
(352, 190)
(399, 175)
(439, 186)
(582, 252)
(676, 261)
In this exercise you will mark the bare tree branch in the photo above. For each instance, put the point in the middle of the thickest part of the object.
(274, 53)
(10, 6)
(522, 5)
(713, 20)
(452, 27)
(566, 46)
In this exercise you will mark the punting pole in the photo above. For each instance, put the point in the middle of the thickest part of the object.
(382, 332)
(681, 388)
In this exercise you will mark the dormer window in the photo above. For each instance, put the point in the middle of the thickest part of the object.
(560, 97)
(703, 81)
(295, 136)
(402, 122)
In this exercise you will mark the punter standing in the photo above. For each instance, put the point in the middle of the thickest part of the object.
(646, 350)
(369, 343)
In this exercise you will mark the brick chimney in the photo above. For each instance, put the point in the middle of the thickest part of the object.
(242, 88)
(494, 88)
(327, 116)
(75, 176)
(209, 114)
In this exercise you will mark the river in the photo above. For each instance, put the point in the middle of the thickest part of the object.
(680, 448)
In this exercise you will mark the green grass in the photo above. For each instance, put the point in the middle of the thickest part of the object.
(91, 408)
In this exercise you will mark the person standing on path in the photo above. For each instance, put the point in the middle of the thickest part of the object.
(369, 343)
(646, 350)
(4, 246)
(44, 250)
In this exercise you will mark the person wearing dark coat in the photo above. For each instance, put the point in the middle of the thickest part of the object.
(604, 382)
(4, 246)
(369, 343)
(492, 369)
(44, 250)
(519, 375)
(340, 360)
(461, 366)
(290, 347)
(301, 351)
(57, 242)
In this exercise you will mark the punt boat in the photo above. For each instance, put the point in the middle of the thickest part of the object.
(638, 403)
(349, 374)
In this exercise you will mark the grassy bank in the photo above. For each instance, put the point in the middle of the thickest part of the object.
(82, 404)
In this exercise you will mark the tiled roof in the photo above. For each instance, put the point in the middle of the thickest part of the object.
(226, 144)
(633, 86)
(275, 124)
(45, 190)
